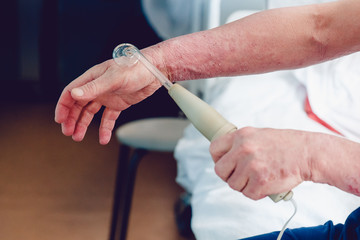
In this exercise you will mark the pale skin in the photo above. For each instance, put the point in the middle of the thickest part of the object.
(256, 162)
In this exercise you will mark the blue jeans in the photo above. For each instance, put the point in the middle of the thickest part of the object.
(348, 231)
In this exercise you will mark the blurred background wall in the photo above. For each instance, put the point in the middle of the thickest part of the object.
(50, 186)
(45, 44)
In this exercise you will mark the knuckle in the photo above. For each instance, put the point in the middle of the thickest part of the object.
(261, 180)
(254, 168)
(248, 148)
(259, 174)
(91, 88)
(245, 131)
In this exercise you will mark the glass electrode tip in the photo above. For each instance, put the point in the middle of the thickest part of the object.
(127, 54)
(124, 54)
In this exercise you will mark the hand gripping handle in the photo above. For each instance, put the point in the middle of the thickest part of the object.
(208, 121)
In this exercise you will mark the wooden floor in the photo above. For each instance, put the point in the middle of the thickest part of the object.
(54, 188)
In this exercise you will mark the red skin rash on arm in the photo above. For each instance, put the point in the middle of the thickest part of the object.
(277, 39)
(335, 161)
(353, 190)
(273, 40)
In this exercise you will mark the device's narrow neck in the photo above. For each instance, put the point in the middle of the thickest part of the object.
(129, 54)
(156, 72)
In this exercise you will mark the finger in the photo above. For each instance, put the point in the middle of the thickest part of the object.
(107, 125)
(221, 146)
(68, 126)
(225, 167)
(63, 107)
(253, 190)
(84, 120)
(66, 100)
(91, 74)
(92, 89)
(238, 180)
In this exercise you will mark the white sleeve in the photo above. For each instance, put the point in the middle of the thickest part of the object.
(169, 18)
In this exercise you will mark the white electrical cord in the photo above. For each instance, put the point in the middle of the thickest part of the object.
(287, 222)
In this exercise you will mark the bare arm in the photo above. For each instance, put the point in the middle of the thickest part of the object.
(277, 39)
(271, 40)
(263, 161)
(335, 161)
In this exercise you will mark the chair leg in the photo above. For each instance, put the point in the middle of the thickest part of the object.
(119, 192)
(129, 188)
(124, 185)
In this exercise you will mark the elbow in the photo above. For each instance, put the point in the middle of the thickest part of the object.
(319, 36)
(320, 48)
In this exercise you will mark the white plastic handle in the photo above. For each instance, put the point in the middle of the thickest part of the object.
(208, 121)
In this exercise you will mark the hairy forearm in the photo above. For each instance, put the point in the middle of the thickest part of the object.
(278, 39)
(335, 161)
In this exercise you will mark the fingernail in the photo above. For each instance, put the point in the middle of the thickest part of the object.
(77, 92)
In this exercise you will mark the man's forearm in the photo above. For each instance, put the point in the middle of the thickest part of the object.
(335, 161)
(277, 39)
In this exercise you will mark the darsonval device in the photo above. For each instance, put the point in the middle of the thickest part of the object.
(205, 118)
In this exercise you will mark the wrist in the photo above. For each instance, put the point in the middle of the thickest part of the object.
(316, 147)
(171, 60)
(155, 55)
(307, 166)
(328, 155)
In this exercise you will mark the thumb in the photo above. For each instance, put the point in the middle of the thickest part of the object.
(91, 90)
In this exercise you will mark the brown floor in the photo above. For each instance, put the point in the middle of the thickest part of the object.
(54, 188)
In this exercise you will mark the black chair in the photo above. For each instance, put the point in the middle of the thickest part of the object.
(136, 139)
